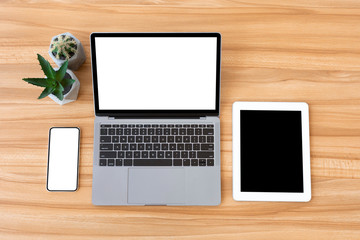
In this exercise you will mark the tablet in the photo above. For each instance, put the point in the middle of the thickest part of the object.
(271, 151)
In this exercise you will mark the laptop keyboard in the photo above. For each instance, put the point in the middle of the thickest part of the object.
(156, 145)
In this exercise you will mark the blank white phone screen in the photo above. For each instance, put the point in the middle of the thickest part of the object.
(156, 73)
(63, 159)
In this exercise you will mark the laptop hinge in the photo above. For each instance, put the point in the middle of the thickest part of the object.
(110, 118)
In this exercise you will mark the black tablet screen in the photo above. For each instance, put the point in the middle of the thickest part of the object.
(271, 151)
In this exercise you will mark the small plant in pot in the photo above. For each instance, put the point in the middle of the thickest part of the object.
(61, 85)
(66, 47)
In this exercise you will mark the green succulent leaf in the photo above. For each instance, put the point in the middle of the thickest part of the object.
(46, 92)
(67, 82)
(41, 82)
(60, 87)
(58, 94)
(60, 74)
(46, 67)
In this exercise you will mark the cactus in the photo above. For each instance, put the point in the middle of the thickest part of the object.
(63, 47)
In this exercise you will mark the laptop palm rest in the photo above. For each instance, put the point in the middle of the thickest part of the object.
(156, 186)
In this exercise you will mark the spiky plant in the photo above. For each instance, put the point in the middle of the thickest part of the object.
(63, 47)
(55, 81)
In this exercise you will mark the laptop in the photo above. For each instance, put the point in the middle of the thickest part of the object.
(157, 128)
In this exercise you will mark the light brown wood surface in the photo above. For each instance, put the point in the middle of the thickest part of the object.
(272, 51)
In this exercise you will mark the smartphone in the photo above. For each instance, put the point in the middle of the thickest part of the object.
(63, 159)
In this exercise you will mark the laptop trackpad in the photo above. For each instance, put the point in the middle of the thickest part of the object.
(156, 186)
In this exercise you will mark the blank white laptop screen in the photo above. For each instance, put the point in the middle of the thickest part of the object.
(156, 73)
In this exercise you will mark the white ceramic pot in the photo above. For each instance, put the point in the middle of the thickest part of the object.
(72, 94)
(76, 60)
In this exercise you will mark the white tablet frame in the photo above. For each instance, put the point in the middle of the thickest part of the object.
(273, 196)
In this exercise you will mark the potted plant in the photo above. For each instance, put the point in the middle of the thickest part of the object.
(61, 85)
(66, 47)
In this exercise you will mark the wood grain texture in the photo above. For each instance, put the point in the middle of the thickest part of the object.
(272, 51)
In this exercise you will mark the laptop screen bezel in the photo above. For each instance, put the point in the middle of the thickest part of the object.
(155, 113)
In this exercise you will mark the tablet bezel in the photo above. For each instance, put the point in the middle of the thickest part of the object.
(273, 196)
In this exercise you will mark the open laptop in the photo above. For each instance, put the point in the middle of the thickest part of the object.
(157, 128)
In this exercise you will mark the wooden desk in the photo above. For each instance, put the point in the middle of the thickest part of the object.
(272, 51)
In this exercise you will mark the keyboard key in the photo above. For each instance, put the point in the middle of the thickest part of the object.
(198, 131)
(194, 162)
(105, 125)
(125, 146)
(123, 139)
(210, 162)
(202, 125)
(141, 146)
(146, 138)
(105, 139)
(176, 154)
(155, 125)
(180, 146)
(168, 154)
(151, 131)
(210, 139)
(106, 146)
(131, 125)
(174, 131)
(127, 131)
(156, 146)
(178, 139)
(123, 125)
(152, 154)
(178, 125)
(202, 162)
(162, 138)
(190, 131)
(139, 139)
(184, 154)
(154, 139)
(159, 131)
(111, 162)
(117, 147)
(210, 125)
(205, 154)
(164, 146)
(194, 139)
(167, 131)
(192, 154)
(186, 125)
(172, 146)
(127, 162)
(177, 162)
(182, 131)
(144, 154)
(196, 146)
(207, 146)
(131, 139)
(147, 125)
(133, 146)
(119, 131)
(194, 125)
(136, 154)
(208, 131)
(186, 162)
(115, 139)
(143, 131)
(153, 162)
(160, 154)
(135, 131)
(102, 162)
(107, 154)
(103, 131)
(162, 125)
(202, 139)
(118, 162)
(121, 154)
(186, 139)
(129, 154)
(139, 125)
(111, 131)
(149, 146)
